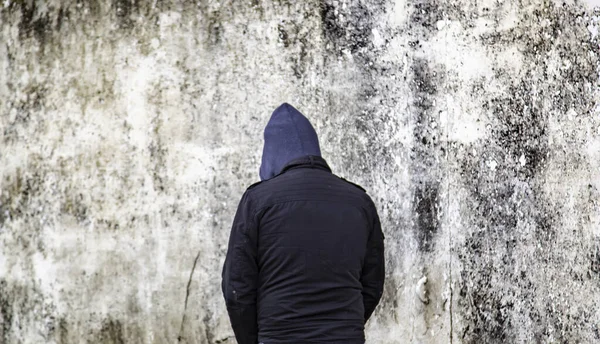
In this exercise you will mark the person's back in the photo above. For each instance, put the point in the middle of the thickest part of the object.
(305, 258)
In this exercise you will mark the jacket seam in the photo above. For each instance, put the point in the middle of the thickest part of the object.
(302, 199)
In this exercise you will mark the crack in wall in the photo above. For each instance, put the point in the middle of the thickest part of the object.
(187, 295)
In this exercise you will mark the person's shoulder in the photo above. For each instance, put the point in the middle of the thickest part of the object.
(259, 189)
(353, 184)
(265, 185)
(252, 190)
(249, 198)
(254, 185)
(362, 191)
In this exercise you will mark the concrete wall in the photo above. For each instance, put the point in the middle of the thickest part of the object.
(129, 130)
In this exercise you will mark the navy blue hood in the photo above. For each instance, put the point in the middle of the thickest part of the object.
(288, 136)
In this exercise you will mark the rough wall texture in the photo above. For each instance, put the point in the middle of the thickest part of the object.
(129, 130)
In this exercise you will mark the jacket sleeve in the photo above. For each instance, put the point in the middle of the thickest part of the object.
(373, 272)
(240, 275)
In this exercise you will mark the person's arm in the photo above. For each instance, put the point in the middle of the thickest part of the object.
(240, 275)
(373, 272)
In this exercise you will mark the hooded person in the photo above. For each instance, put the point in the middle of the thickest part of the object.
(288, 136)
(305, 261)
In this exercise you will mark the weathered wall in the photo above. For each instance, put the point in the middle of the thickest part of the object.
(129, 130)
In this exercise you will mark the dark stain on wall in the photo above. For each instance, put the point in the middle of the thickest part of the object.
(111, 332)
(425, 15)
(511, 196)
(125, 10)
(595, 260)
(63, 331)
(350, 28)
(34, 101)
(158, 154)
(18, 302)
(214, 29)
(488, 318)
(425, 164)
(32, 24)
(17, 192)
(499, 202)
(426, 151)
(6, 311)
(522, 128)
(283, 35)
(210, 22)
(297, 38)
(292, 36)
(75, 206)
(424, 81)
(208, 329)
(62, 17)
(426, 209)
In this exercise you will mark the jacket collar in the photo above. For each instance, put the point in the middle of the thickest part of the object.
(309, 161)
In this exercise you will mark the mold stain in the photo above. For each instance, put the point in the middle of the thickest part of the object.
(124, 11)
(33, 24)
(283, 35)
(213, 29)
(425, 15)
(498, 206)
(17, 193)
(111, 332)
(63, 331)
(424, 80)
(296, 38)
(208, 332)
(349, 28)
(6, 312)
(522, 129)
(426, 209)
(595, 260)
(425, 165)
(75, 205)
(158, 154)
(24, 303)
(425, 162)
(26, 110)
(62, 18)
(512, 193)
(346, 31)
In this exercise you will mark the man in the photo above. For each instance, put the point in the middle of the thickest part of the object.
(305, 259)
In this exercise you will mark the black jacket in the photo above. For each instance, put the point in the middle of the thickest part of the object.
(305, 259)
